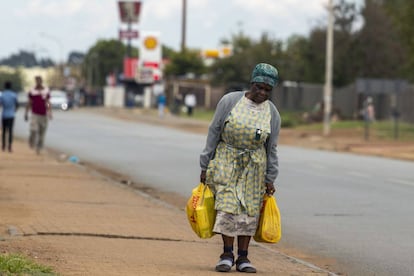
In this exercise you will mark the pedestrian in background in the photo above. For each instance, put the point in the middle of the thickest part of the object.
(178, 98)
(8, 101)
(162, 101)
(240, 163)
(41, 112)
(369, 110)
(190, 102)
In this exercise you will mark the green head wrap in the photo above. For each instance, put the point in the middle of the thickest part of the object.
(265, 73)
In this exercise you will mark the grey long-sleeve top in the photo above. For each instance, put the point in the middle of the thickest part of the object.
(222, 112)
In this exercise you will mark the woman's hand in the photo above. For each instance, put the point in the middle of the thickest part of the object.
(270, 189)
(203, 177)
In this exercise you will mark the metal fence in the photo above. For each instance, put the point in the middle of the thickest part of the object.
(347, 101)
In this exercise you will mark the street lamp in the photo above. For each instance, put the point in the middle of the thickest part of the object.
(58, 42)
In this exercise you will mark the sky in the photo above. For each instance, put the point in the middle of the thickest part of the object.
(54, 28)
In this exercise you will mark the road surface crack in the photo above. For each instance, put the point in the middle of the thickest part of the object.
(107, 236)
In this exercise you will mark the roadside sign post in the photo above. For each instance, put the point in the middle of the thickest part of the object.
(395, 114)
(129, 13)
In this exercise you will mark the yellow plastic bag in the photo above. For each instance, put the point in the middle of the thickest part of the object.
(269, 229)
(200, 211)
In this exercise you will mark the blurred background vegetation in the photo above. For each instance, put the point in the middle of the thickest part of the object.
(374, 40)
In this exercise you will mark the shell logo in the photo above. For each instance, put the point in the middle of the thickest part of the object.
(150, 42)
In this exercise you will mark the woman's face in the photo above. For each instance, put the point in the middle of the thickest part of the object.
(260, 92)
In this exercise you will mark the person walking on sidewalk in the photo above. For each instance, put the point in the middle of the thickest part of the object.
(240, 163)
(41, 111)
(8, 101)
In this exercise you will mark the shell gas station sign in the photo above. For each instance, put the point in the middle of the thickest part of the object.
(150, 60)
(148, 68)
(151, 42)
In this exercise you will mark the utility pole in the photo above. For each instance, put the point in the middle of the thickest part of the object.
(327, 97)
(183, 26)
(128, 52)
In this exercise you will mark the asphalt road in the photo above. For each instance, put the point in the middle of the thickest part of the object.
(355, 209)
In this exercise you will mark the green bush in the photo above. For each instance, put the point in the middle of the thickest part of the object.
(290, 120)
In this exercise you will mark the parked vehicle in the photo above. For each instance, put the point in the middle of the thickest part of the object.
(59, 100)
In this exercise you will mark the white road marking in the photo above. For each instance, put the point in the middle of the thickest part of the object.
(401, 181)
(358, 174)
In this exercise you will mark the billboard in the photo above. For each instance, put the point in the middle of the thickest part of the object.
(150, 57)
(129, 11)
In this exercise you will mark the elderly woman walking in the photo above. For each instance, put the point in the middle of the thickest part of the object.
(240, 163)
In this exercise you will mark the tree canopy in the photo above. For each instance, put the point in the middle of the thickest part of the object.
(104, 58)
(382, 47)
(373, 40)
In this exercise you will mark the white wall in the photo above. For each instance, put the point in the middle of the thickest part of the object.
(114, 96)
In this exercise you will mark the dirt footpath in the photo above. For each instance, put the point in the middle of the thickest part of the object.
(80, 222)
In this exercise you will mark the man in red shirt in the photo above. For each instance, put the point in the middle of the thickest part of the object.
(41, 111)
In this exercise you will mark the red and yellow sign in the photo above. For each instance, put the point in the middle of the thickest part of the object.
(150, 42)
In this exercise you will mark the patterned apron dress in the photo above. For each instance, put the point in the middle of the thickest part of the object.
(237, 172)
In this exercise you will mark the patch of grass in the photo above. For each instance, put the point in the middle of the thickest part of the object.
(381, 129)
(290, 119)
(334, 125)
(15, 264)
(200, 114)
(385, 130)
(391, 130)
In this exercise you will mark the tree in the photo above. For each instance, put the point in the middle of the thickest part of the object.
(167, 52)
(104, 58)
(15, 77)
(75, 58)
(379, 52)
(183, 63)
(315, 56)
(294, 64)
(236, 69)
(308, 54)
(402, 12)
(346, 15)
(25, 59)
(373, 51)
